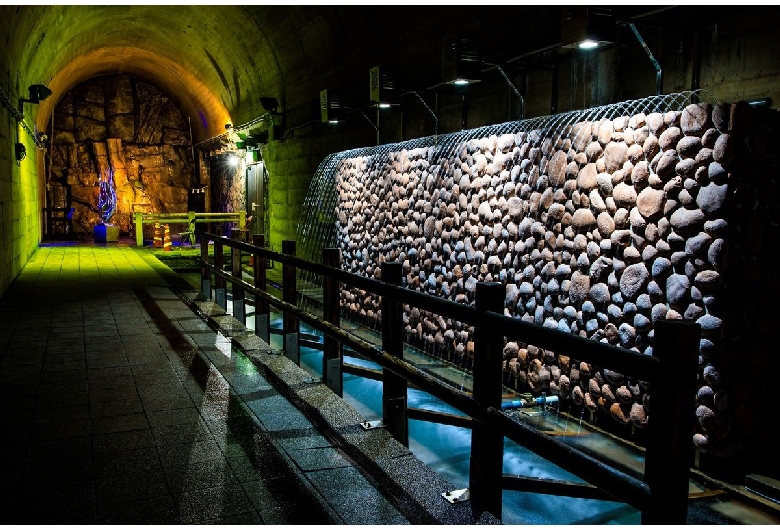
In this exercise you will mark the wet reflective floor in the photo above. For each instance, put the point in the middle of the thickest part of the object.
(119, 405)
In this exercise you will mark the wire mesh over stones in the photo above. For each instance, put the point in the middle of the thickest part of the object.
(594, 220)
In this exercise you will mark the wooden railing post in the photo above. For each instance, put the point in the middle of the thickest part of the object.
(261, 306)
(205, 274)
(669, 453)
(139, 228)
(220, 295)
(291, 326)
(331, 304)
(487, 445)
(191, 226)
(394, 416)
(239, 307)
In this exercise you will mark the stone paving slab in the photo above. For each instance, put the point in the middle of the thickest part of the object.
(113, 411)
(127, 398)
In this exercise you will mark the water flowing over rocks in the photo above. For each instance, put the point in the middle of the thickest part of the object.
(625, 226)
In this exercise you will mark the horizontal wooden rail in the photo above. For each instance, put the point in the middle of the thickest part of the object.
(190, 218)
(618, 359)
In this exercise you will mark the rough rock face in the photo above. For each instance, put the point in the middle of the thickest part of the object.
(607, 237)
(130, 126)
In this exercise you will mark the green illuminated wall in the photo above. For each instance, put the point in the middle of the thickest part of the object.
(19, 203)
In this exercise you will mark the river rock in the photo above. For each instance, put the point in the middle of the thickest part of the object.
(667, 164)
(723, 151)
(655, 122)
(651, 147)
(586, 179)
(583, 219)
(650, 202)
(689, 146)
(599, 294)
(697, 244)
(716, 173)
(633, 279)
(624, 195)
(687, 221)
(707, 281)
(556, 169)
(669, 138)
(695, 119)
(678, 289)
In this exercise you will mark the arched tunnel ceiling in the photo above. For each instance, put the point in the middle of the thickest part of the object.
(209, 59)
(216, 62)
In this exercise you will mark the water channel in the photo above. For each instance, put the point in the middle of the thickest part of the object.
(446, 449)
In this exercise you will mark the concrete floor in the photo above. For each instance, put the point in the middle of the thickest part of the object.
(119, 405)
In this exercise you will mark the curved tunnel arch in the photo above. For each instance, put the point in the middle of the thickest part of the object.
(196, 53)
(189, 94)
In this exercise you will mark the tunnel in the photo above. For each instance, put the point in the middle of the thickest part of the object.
(113, 112)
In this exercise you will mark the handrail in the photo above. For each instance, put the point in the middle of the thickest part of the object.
(624, 361)
(660, 497)
(142, 218)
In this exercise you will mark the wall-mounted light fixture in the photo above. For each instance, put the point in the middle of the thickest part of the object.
(38, 93)
(586, 27)
(21, 151)
(331, 106)
(461, 60)
(270, 104)
(383, 86)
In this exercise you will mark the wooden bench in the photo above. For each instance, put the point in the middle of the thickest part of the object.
(190, 218)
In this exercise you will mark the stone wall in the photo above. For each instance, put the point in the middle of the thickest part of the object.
(598, 228)
(122, 123)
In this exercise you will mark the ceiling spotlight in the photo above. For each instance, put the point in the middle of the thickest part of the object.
(331, 106)
(233, 160)
(587, 27)
(383, 86)
(588, 44)
(462, 60)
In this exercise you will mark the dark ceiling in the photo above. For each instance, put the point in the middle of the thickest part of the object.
(218, 61)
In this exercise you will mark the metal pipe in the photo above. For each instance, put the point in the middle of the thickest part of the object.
(658, 78)
(540, 401)
(513, 87)
(435, 118)
(368, 120)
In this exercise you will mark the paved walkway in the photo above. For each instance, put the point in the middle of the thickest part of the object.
(120, 405)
